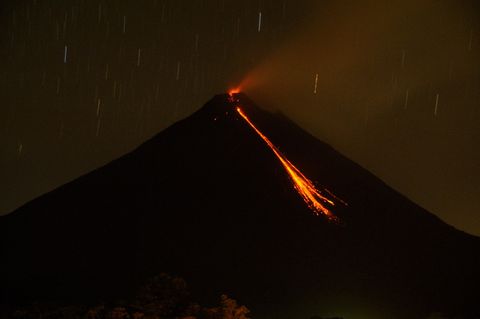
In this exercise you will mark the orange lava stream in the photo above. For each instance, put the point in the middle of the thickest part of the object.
(305, 187)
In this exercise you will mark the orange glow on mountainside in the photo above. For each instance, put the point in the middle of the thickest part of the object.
(304, 186)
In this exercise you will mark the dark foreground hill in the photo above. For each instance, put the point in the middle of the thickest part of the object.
(207, 200)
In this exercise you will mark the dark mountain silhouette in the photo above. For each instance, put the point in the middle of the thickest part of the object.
(207, 200)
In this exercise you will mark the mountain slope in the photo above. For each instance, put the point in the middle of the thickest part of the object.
(206, 199)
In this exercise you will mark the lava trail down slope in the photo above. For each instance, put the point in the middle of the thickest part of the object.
(305, 187)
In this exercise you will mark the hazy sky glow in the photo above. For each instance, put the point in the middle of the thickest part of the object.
(394, 86)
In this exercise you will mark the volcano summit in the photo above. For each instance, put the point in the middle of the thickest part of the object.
(209, 200)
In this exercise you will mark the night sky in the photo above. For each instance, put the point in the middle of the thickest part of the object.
(394, 87)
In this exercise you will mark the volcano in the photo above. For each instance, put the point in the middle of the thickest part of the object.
(208, 200)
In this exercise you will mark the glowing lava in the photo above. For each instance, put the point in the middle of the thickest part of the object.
(234, 91)
(231, 95)
(305, 187)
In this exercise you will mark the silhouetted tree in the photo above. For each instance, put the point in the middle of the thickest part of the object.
(161, 297)
(164, 295)
(228, 309)
(98, 312)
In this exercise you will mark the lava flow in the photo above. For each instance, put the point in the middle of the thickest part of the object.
(304, 186)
